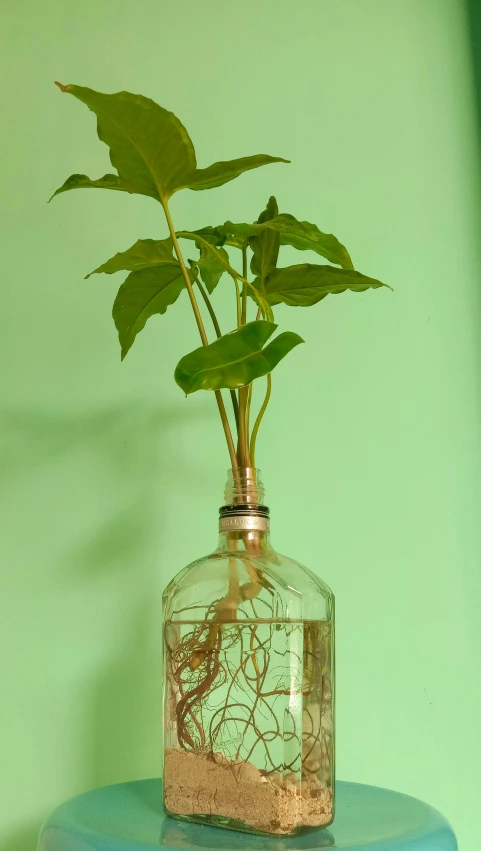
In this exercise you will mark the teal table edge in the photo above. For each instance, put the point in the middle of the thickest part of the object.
(130, 817)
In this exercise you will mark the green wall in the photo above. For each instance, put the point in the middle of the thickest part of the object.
(111, 479)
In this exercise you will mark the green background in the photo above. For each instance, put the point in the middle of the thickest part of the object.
(371, 448)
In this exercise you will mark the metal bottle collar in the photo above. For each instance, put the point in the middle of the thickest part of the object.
(240, 518)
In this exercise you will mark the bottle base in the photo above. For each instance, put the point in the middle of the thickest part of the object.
(210, 789)
(239, 826)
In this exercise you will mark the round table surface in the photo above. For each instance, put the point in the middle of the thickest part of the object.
(130, 817)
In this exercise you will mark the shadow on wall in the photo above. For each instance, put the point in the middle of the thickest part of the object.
(124, 461)
(126, 701)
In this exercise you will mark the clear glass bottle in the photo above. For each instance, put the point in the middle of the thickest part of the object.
(249, 681)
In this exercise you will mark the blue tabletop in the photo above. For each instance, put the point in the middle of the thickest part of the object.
(129, 817)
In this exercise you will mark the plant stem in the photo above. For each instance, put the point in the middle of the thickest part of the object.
(212, 315)
(208, 305)
(244, 285)
(259, 419)
(203, 337)
(243, 445)
(238, 303)
(248, 409)
(190, 289)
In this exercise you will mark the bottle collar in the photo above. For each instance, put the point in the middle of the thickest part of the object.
(244, 517)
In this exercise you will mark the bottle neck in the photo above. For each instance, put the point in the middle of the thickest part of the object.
(254, 543)
(244, 519)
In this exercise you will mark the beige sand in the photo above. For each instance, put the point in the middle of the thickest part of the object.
(195, 784)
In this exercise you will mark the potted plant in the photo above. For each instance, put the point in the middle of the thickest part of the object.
(248, 633)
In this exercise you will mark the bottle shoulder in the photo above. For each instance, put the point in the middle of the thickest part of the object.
(265, 583)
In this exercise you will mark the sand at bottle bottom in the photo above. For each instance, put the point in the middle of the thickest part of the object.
(198, 784)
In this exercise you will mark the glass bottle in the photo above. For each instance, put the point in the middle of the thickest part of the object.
(249, 681)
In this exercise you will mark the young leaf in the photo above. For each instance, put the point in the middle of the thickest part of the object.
(210, 266)
(305, 236)
(81, 181)
(301, 235)
(145, 252)
(144, 293)
(265, 247)
(215, 237)
(235, 359)
(211, 235)
(257, 296)
(207, 241)
(149, 146)
(254, 291)
(219, 173)
(306, 284)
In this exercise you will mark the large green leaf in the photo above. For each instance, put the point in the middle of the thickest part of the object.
(145, 252)
(150, 147)
(265, 247)
(301, 235)
(235, 359)
(81, 181)
(144, 293)
(210, 265)
(219, 173)
(307, 284)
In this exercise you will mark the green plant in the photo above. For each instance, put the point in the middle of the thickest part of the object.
(154, 156)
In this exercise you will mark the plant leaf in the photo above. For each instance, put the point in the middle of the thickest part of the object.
(235, 359)
(145, 252)
(265, 247)
(219, 173)
(149, 146)
(81, 181)
(306, 284)
(301, 235)
(144, 293)
(210, 266)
